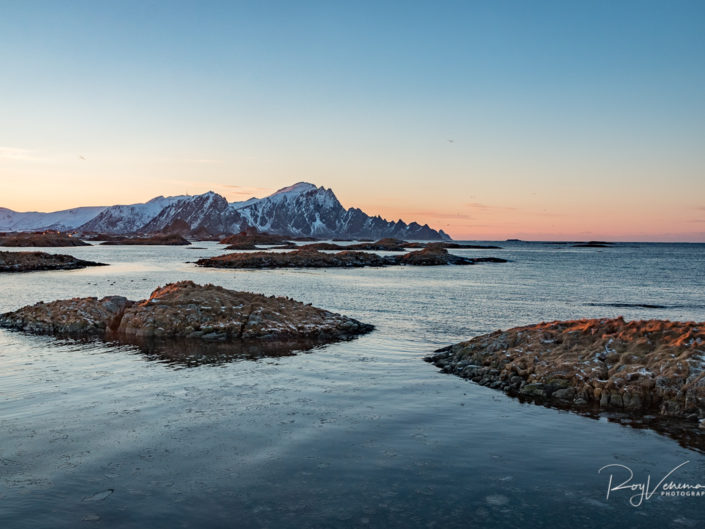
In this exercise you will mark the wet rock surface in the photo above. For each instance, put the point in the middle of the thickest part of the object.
(312, 258)
(186, 311)
(43, 239)
(638, 367)
(32, 261)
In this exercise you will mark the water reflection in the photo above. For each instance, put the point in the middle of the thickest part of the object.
(184, 352)
(192, 353)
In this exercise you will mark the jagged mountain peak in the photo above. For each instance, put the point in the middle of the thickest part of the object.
(296, 189)
(299, 210)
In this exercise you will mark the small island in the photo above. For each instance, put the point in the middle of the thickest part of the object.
(154, 240)
(252, 239)
(313, 258)
(43, 239)
(639, 367)
(34, 261)
(185, 311)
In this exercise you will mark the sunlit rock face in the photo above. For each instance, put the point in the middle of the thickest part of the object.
(650, 366)
(185, 310)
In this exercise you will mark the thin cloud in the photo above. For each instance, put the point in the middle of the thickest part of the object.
(478, 205)
(15, 153)
(187, 160)
(230, 191)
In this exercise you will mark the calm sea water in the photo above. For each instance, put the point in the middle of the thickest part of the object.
(355, 434)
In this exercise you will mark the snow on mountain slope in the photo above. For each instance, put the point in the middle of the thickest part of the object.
(209, 213)
(128, 218)
(300, 210)
(67, 219)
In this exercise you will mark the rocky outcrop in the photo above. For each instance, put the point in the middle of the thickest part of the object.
(454, 246)
(155, 240)
(593, 244)
(251, 239)
(395, 245)
(435, 256)
(69, 317)
(652, 366)
(252, 236)
(312, 258)
(31, 261)
(188, 311)
(304, 258)
(43, 239)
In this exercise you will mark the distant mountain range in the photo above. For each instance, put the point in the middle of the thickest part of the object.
(301, 210)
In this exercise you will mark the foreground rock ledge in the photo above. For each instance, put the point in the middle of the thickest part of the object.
(31, 261)
(185, 310)
(650, 366)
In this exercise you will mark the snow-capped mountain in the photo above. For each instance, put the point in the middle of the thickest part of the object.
(127, 219)
(300, 210)
(58, 220)
(207, 213)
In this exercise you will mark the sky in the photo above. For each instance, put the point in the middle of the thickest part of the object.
(565, 120)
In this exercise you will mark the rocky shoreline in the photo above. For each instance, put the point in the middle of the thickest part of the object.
(313, 258)
(638, 367)
(34, 261)
(185, 311)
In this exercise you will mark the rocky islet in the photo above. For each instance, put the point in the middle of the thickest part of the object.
(185, 310)
(651, 366)
(35, 261)
(313, 258)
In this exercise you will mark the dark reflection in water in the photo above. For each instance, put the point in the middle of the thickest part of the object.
(184, 352)
(687, 433)
(193, 353)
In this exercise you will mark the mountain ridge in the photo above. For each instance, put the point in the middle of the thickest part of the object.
(299, 210)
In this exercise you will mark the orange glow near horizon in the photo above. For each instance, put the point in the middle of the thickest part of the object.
(462, 216)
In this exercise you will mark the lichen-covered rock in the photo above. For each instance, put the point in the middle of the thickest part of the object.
(650, 366)
(69, 317)
(32, 261)
(185, 310)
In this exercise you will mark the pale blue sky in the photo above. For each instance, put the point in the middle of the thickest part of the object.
(566, 118)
